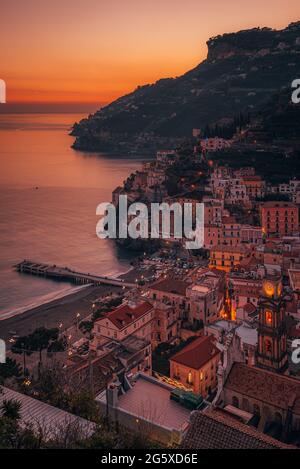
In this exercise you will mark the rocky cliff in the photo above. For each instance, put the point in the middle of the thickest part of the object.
(241, 72)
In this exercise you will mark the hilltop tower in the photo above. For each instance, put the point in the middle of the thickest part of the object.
(272, 344)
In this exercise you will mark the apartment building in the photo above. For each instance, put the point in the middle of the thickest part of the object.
(132, 318)
(196, 365)
(166, 324)
(227, 257)
(255, 187)
(171, 292)
(281, 218)
(205, 299)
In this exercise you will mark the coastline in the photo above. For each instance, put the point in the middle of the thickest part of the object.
(60, 310)
(43, 301)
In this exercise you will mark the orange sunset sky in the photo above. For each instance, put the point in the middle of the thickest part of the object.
(78, 54)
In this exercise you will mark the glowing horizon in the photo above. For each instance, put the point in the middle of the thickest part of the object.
(70, 53)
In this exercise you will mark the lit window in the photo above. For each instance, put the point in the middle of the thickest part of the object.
(269, 318)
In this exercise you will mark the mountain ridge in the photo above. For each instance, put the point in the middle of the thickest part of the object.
(242, 70)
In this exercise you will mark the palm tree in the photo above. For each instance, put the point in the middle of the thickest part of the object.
(11, 409)
(37, 341)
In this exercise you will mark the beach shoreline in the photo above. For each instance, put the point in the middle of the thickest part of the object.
(62, 309)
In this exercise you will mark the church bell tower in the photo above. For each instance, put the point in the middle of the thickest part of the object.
(272, 346)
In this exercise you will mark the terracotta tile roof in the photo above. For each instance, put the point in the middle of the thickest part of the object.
(198, 353)
(249, 263)
(270, 388)
(214, 429)
(126, 314)
(171, 285)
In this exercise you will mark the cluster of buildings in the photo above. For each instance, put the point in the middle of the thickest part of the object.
(226, 327)
(237, 318)
(291, 189)
(234, 372)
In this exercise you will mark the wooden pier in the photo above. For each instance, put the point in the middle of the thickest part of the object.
(65, 274)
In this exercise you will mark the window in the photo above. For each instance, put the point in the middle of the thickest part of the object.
(190, 378)
(235, 402)
(269, 318)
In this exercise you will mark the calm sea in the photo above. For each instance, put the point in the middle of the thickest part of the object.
(48, 199)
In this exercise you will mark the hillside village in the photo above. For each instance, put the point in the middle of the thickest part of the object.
(189, 349)
(203, 343)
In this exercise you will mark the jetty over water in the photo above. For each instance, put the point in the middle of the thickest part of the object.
(65, 274)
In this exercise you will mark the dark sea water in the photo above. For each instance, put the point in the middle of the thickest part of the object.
(48, 199)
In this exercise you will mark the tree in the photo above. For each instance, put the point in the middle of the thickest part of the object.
(59, 345)
(10, 368)
(11, 409)
(22, 347)
(84, 405)
(12, 433)
(86, 326)
(37, 341)
(41, 339)
(102, 439)
(52, 383)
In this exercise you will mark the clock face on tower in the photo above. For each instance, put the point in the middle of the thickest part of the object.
(272, 288)
(269, 288)
(272, 348)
